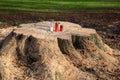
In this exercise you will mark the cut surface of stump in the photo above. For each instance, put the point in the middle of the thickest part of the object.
(33, 52)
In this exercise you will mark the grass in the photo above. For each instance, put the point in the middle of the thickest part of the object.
(56, 5)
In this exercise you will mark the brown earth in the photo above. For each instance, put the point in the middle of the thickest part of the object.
(107, 23)
(32, 52)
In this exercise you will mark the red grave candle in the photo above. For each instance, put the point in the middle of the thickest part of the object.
(56, 27)
(61, 28)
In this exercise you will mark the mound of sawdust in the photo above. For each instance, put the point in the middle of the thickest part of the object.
(32, 52)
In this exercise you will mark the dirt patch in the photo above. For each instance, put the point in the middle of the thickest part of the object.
(106, 23)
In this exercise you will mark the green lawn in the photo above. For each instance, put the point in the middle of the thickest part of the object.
(57, 5)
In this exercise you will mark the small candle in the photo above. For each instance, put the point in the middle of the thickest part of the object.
(61, 28)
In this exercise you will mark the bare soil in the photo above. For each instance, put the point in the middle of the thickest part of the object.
(107, 23)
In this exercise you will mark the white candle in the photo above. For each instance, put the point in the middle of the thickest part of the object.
(52, 25)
